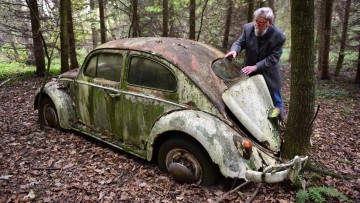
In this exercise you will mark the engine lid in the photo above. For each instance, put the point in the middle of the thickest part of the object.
(250, 101)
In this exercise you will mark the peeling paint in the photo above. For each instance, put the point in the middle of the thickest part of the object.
(133, 117)
(216, 138)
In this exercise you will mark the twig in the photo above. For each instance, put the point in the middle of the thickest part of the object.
(254, 194)
(6, 81)
(231, 191)
(316, 113)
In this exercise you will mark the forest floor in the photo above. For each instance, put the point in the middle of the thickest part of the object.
(62, 166)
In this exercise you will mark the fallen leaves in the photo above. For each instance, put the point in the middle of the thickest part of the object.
(62, 166)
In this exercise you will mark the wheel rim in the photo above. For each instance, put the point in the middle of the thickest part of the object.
(50, 118)
(186, 159)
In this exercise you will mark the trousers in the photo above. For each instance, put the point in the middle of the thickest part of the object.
(277, 100)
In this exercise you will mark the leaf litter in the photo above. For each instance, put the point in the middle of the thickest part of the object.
(62, 166)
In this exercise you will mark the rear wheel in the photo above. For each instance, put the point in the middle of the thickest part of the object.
(48, 114)
(186, 161)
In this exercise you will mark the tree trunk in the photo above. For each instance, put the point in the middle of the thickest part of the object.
(102, 21)
(64, 38)
(38, 48)
(298, 129)
(135, 19)
(93, 27)
(343, 38)
(202, 19)
(72, 50)
(227, 24)
(250, 11)
(357, 78)
(171, 20)
(262, 3)
(272, 5)
(192, 9)
(325, 45)
(165, 12)
(320, 33)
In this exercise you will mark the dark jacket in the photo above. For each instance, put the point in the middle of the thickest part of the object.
(266, 58)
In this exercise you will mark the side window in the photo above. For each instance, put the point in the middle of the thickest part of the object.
(106, 65)
(91, 67)
(148, 73)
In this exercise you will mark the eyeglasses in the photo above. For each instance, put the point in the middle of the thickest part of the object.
(260, 22)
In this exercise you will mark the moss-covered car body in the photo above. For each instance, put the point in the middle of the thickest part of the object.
(138, 93)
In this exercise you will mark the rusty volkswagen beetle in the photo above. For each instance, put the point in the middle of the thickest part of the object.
(174, 101)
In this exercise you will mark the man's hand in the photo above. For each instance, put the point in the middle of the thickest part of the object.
(231, 53)
(248, 70)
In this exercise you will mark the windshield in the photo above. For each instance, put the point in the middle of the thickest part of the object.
(227, 69)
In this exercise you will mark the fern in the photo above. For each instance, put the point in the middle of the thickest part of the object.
(331, 192)
(315, 195)
(302, 196)
(297, 182)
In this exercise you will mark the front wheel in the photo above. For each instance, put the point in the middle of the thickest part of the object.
(187, 161)
(48, 114)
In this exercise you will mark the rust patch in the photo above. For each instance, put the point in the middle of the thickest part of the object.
(193, 58)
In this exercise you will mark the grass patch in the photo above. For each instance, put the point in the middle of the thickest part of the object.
(18, 70)
(15, 69)
(332, 93)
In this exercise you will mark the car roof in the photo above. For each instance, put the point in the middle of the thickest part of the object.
(191, 57)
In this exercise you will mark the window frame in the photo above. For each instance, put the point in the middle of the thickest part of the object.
(128, 66)
(104, 52)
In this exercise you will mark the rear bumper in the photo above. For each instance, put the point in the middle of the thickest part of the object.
(278, 172)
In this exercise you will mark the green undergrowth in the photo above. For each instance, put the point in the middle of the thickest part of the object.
(315, 193)
(17, 70)
(332, 89)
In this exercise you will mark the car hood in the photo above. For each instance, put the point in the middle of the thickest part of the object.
(249, 100)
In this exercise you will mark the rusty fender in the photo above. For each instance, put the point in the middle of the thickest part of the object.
(63, 103)
(213, 134)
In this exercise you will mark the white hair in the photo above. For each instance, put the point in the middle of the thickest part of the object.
(267, 11)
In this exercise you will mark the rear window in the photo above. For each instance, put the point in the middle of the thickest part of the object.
(227, 69)
(150, 74)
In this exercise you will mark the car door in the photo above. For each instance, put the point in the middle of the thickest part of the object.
(149, 90)
(97, 89)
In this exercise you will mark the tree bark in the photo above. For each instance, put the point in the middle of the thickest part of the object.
(227, 24)
(192, 9)
(72, 47)
(135, 19)
(299, 126)
(38, 48)
(93, 27)
(165, 12)
(250, 11)
(320, 33)
(325, 46)
(202, 19)
(102, 21)
(272, 5)
(171, 20)
(343, 38)
(357, 78)
(64, 38)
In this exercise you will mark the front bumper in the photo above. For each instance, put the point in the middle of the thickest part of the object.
(278, 172)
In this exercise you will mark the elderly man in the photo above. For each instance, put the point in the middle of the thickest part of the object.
(263, 42)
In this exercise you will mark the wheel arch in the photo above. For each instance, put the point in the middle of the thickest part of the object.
(64, 104)
(210, 132)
